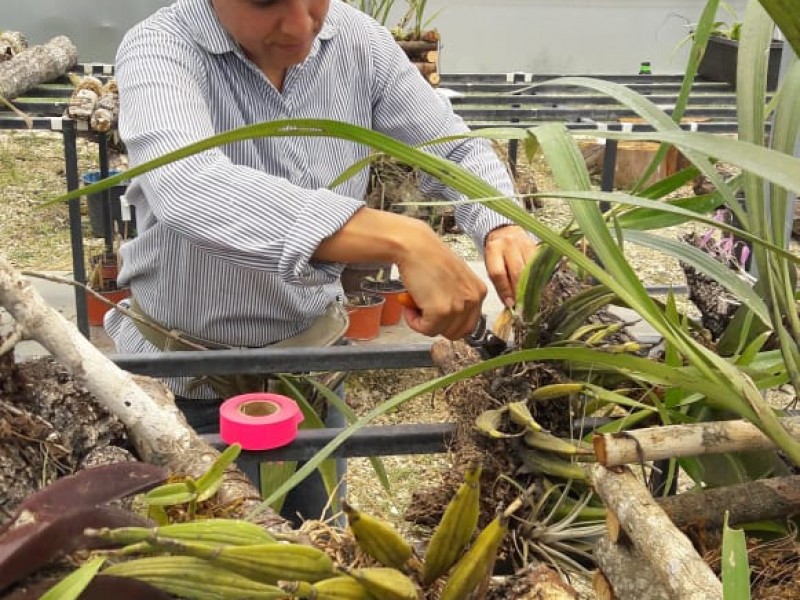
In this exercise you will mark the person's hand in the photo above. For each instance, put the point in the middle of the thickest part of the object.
(508, 249)
(447, 292)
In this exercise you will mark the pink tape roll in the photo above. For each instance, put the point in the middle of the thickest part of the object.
(259, 421)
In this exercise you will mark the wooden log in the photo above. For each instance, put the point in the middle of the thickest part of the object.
(106, 111)
(416, 47)
(429, 72)
(35, 65)
(602, 586)
(146, 407)
(746, 502)
(432, 35)
(11, 44)
(625, 574)
(431, 57)
(668, 551)
(676, 441)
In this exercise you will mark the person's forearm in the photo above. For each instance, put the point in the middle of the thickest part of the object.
(374, 236)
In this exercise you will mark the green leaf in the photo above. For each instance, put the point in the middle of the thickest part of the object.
(655, 218)
(764, 162)
(208, 483)
(735, 565)
(72, 586)
(170, 494)
(786, 14)
(351, 417)
(311, 420)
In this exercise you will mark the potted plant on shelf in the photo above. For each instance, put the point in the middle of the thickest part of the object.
(413, 33)
(364, 311)
(719, 60)
(390, 289)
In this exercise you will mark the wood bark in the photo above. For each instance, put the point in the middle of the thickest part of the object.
(747, 502)
(676, 441)
(628, 574)
(145, 406)
(668, 551)
(418, 46)
(11, 44)
(35, 65)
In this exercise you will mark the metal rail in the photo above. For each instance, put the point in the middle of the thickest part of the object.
(277, 360)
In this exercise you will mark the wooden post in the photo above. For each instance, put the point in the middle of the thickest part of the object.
(676, 441)
(668, 551)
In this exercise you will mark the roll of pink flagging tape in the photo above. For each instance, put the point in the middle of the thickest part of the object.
(259, 421)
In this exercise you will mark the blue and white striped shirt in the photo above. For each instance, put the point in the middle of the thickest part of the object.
(225, 237)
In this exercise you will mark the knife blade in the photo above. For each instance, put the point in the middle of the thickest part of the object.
(483, 339)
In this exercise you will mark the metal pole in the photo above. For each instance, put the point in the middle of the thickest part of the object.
(75, 230)
(609, 166)
(108, 225)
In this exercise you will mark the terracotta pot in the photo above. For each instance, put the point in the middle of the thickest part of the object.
(96, 310)
(390, 290)
(355, 274)
(364, 311)
(107, 264)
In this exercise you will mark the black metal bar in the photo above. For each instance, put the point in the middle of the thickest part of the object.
(108, 225)
(75, 229)
(609, 168)
(535, 78)
(512, 156)
(379, 440)
(525, 88)
(277, 360)
(540, 99)
(590, 125)
(610, 112)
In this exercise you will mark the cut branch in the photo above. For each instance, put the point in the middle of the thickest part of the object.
(145, 406)
(11, 44)
(747, 502)
(668, 551)
(628, 574)
(36, 65)
(676, 441)
(414, 47)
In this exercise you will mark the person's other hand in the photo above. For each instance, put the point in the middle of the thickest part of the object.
(508, 249)
(447, 292)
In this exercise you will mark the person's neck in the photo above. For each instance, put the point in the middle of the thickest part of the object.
(276, 76)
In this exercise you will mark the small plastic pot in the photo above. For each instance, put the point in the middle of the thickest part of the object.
(364, 311)
(390, 290)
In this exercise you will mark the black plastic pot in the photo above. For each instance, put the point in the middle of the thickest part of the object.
(95, 203)
(720, 60)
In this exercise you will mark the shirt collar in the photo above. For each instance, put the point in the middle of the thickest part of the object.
(209, 33)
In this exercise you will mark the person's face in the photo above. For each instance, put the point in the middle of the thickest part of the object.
(274, 34)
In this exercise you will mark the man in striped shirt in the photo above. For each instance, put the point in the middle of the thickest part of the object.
(243, 245)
